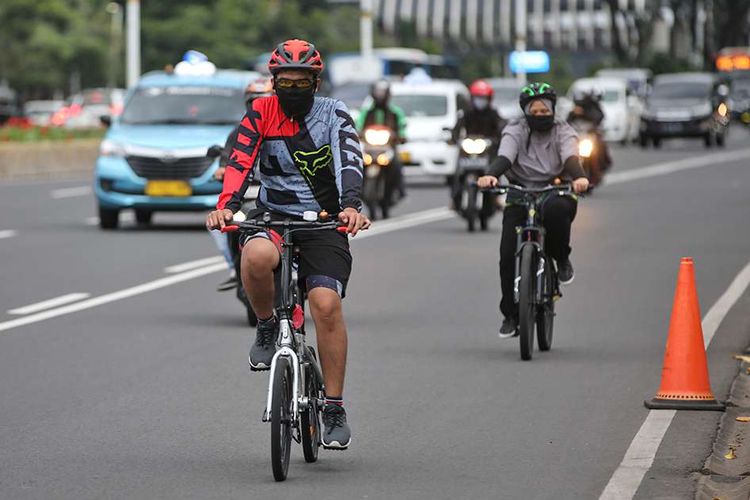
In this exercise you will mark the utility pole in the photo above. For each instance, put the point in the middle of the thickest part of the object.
(520, 21)
(365, 28)
(134, 42)
(115, 37)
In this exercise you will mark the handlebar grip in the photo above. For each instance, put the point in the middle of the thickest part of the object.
(230, 228)
(343, 229)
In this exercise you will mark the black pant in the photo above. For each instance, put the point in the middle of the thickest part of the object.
(557, 215)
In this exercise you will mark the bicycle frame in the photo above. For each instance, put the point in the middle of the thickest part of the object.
(532, 233)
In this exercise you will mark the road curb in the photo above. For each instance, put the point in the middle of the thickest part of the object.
(47, 160)
(725, 474)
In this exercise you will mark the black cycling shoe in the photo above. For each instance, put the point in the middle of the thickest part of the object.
(565, 272)
(262, 351)
(229, 284)
(509, 328)
(336, 434)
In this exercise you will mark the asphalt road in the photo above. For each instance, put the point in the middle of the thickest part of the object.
(149, 395)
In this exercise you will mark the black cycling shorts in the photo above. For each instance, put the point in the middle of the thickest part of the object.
(324, 258)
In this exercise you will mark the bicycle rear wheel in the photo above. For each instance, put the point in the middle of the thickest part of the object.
(310, 417)
(281, 419)
(526, 306)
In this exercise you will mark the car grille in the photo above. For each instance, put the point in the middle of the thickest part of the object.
(157, 168)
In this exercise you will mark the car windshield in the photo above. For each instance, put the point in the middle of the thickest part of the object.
(188, 105)
(352, 94)
(611, 95)
(681, 90)
(506, 94)
(418, 105)
(741, 90)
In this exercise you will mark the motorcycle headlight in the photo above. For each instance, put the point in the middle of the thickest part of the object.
(111, 148)
(723, 110)
(585, 148)
(474, 146)
(377, 137)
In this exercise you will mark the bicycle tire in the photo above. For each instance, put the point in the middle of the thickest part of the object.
(281, 419)
(471, 206)
(310, 417)
(545, 315)
(526, 307)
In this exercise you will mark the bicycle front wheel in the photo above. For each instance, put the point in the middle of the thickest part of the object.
(526, 306)
(281, 419)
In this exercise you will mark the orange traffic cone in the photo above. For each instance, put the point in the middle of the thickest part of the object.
(684, 377)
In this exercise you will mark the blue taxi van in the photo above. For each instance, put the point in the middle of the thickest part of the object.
(154, 155)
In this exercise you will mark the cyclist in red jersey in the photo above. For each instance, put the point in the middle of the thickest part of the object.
(309, 159)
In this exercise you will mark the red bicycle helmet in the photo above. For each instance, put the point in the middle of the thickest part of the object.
(295, 54)
(480, 88)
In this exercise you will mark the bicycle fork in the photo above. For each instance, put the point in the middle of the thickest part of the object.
(286, 336)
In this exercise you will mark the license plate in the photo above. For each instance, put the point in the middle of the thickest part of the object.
(168, 188)
(472, 162)
(405, 156)
(671, 127)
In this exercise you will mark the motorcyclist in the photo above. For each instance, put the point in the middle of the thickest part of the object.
(383, 112)
(587, 108)
(309, 159)
(480, 119)
(533, 152)
(261, 87)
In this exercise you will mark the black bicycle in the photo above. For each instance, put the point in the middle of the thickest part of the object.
(296, 393)
(535, 287)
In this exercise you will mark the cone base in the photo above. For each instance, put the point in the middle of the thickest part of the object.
(683, 404)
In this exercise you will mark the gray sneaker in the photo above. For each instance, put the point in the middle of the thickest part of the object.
(508, 329)
(262, 351)
(337, 435)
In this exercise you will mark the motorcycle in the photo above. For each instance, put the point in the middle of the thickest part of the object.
(233, 239)
(591, 151)
(379, 147)
(474, 158)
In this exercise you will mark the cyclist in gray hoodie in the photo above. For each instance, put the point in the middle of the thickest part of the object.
(533, 153)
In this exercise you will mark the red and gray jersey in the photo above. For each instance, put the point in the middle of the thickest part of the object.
(311, 165)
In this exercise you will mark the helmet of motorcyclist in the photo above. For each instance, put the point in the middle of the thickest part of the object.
(381, 93)
(538, 91)
(481, 94)
(295, 54)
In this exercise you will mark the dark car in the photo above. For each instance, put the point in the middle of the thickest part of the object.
(685, 105)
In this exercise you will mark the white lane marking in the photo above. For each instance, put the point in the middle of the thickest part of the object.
(193, 264)
(71, 192)
(8, 233)
(392, 225)
(112, 297)
(405, 221)
(49, 304)
(124, 217)
(676, 166)
(640, 455)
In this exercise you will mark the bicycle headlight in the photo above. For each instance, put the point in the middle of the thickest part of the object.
(111, 148)
(474, 146)
(377, 137)
(585, 147)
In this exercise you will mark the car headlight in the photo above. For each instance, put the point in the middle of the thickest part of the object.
(111, 148)
(474, 146)
(585, 147)
(377, 137)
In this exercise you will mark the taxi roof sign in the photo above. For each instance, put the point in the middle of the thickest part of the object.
(530, 61)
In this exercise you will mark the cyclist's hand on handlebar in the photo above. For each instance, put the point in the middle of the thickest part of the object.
(487, 181)
(218, 218)
(581, 185)
(354, 220)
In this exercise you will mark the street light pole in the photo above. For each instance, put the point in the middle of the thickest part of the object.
(115, 35)
(134, 42)
(520, 8)
(365, 28)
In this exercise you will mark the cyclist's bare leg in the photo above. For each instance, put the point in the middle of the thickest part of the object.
(325, 307)
(259, 259)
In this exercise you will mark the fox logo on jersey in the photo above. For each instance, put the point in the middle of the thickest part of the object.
(310, 162)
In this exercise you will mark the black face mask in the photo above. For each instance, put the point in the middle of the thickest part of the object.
(296, 103)
(540, 123)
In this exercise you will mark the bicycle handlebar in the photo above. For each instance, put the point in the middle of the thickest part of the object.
(504, 188)
(233, 226)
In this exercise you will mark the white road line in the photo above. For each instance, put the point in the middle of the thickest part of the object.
(670, 167)
(124, 217)
(8, 233)
(112, 297)
(49, 304)
(71, 192)
(193, 264)
(640, 455)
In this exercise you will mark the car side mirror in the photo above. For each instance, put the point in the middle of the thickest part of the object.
(106, 120)
(214, 151)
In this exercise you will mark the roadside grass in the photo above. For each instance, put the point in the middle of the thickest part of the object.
(26, 133)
